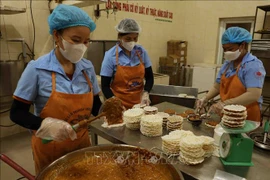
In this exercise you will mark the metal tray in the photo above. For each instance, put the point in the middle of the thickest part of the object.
(169, 93)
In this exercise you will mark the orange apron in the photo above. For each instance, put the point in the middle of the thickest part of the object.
(128, 82)
(232, 87)
(71, 108)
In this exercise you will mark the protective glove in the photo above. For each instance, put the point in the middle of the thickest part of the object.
(145, 98)
(216, 108)
(55, 129)
(200, 104)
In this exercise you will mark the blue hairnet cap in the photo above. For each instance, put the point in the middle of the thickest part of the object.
(236, 35)
(65, 16)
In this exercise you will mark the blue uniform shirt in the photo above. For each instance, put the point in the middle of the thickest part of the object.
(109, 62)
(251, 72)
(35, 84)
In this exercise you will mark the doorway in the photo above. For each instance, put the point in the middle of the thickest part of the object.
(225, 23)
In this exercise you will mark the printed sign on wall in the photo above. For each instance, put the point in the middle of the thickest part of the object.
(139, 9)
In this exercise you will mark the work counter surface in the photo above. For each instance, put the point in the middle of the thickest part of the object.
(205, 170)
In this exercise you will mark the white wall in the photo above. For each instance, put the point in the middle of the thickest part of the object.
(199, 24)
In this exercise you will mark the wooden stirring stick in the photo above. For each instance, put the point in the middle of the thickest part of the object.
(112, 108)
(84, 122)
(78, 125)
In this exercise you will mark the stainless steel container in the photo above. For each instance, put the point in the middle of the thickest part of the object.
(10, 73)
(168, 93)
(61, 164)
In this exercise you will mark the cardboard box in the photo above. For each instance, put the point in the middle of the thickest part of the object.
(163, 60)
(173, 59)
(181, 52)
(177, 47)
(180, 60)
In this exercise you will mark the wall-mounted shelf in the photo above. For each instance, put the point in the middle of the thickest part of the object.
(263, 32)
(264, 8)
(11, 10)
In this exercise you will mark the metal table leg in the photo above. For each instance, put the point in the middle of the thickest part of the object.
(94, 139)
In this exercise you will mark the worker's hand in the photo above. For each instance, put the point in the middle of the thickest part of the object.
(200, 104)
(145, 98)
(55, 129)
(216, 109)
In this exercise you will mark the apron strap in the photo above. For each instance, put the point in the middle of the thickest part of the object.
(226, 69)
(53, 81)
(88, 80)
(139, 57)
(116, 55)
(238, 67)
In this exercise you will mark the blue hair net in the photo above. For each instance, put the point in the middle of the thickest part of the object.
(236, 35)
(65, 16)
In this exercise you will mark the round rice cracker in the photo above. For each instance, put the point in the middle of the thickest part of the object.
(188, 161)
(229, 118)
(236, 122)
(151, 132)
(234, 108)
(192, 142)
(170, 151)
(233, 125)
(175, 119)
(181, 133)
(207, 155)
(233, 114)
(208, 148)
(207, 140)
(191, 149)
(190, 154)
(170, 146)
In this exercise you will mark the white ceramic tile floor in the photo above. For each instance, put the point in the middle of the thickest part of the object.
(18, 148)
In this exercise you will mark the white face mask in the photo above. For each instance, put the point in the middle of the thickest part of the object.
(73, 52)
(232, 55)
(128, 45)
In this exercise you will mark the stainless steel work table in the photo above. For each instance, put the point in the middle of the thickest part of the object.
(205, 170)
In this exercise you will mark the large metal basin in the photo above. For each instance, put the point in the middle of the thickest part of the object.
(61, 164)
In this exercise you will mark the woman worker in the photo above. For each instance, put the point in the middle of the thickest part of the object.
(241, 77)
(125, 66)
(63, 87)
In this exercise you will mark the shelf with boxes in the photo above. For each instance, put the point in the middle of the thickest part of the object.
(260, 45)
(174, 61)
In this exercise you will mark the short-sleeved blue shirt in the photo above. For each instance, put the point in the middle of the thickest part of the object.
(251, 72)
(109, 62)
(35, 84)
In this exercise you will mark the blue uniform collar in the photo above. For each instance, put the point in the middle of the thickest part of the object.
(248, 57)
(52, 64)
(136, 47)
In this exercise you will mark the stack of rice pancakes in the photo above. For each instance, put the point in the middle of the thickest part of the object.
(150, 110)
(171, 142)
(132, 118)
(151, 125)
(234, 116)
(174, 123)
(164, 117)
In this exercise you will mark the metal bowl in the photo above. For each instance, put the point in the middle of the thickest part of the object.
(257, 137)
(61, 164)
(194, 119)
